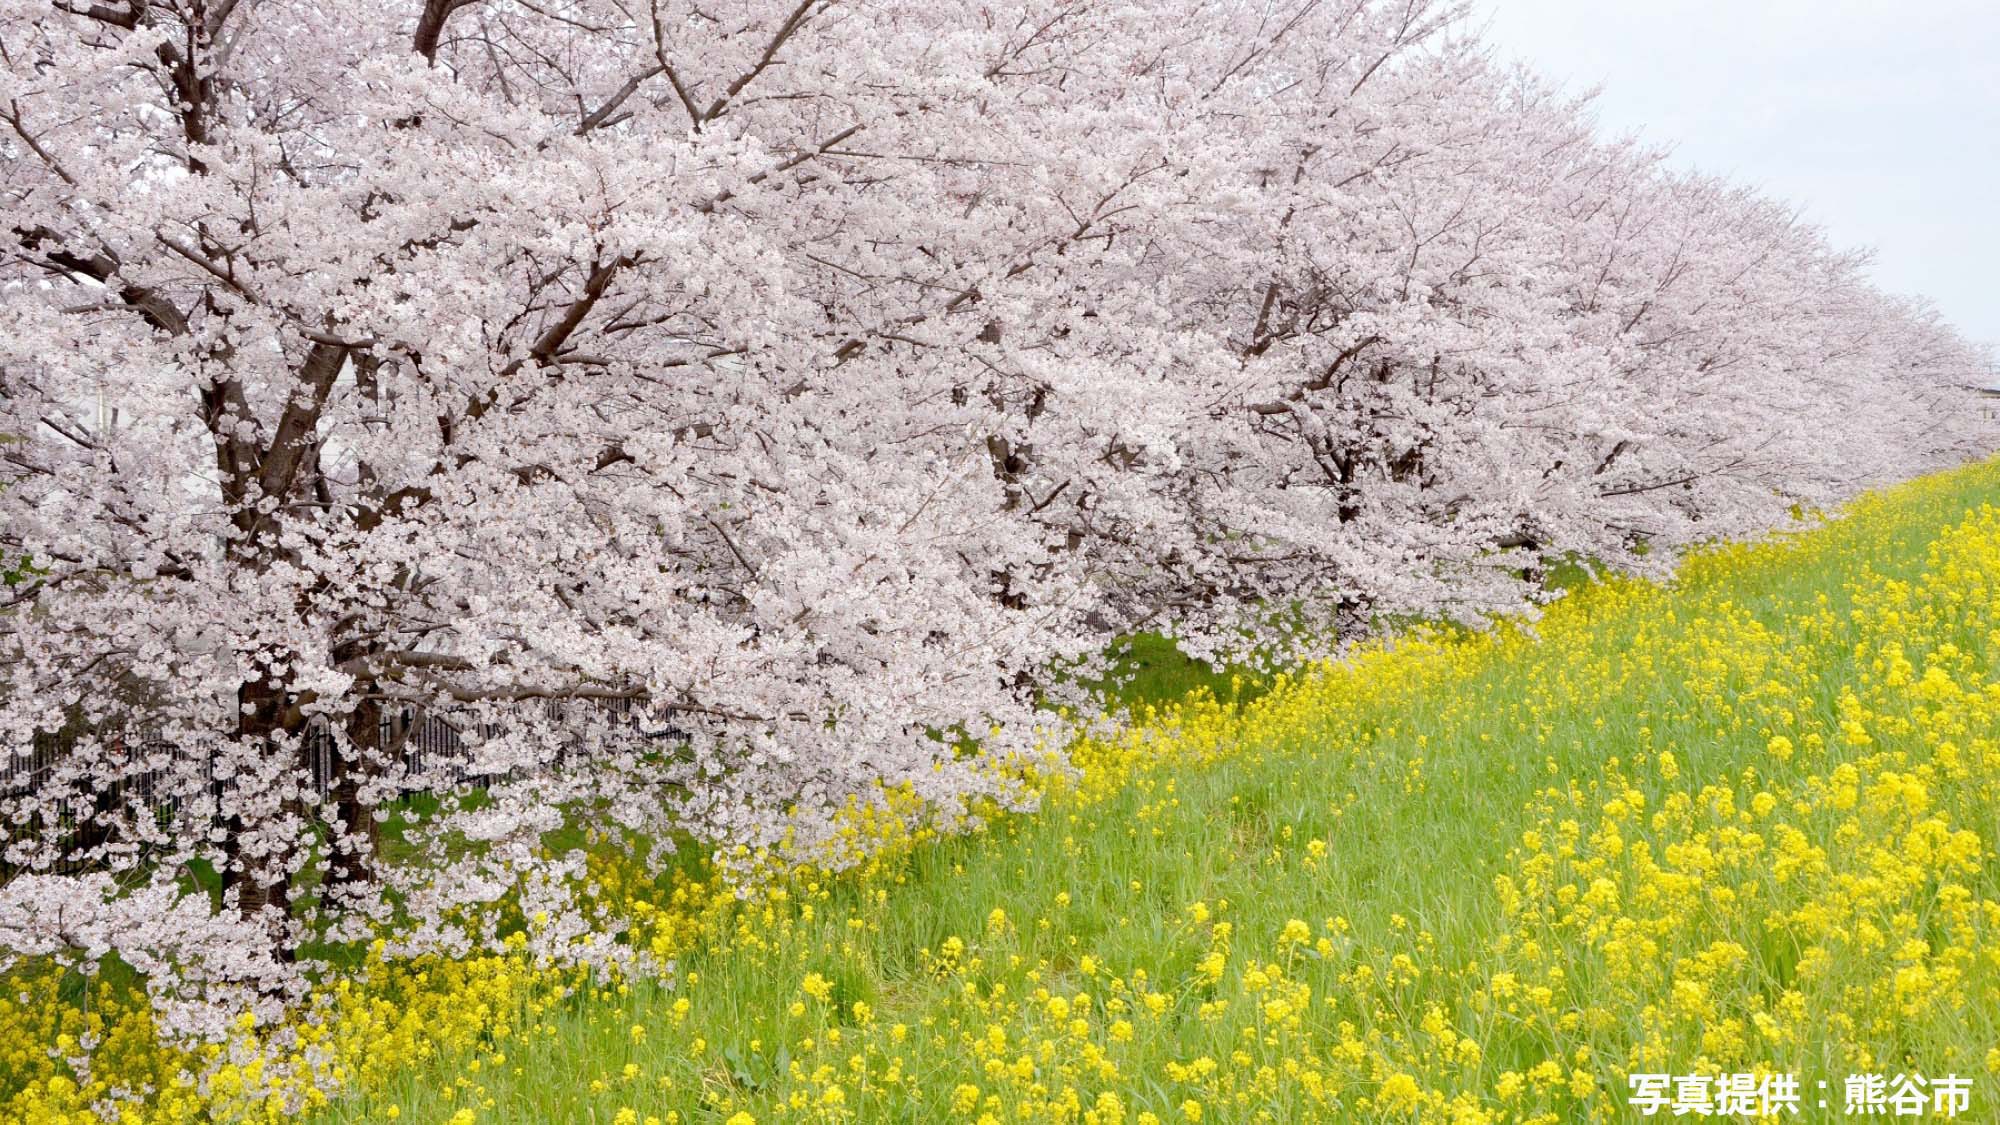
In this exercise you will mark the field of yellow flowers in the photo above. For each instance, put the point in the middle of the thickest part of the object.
(1739, 824)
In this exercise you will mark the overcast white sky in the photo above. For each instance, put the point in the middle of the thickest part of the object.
(1880, 118)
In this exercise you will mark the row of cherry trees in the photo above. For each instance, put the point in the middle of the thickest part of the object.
(825, 372)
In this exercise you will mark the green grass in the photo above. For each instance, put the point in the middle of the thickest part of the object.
(1149, 668)
(1421, 793)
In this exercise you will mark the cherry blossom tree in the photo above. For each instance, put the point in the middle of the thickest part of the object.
(809, 378)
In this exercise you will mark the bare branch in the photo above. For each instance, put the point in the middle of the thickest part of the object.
(602, 113)
(800, 15)
(430, 25)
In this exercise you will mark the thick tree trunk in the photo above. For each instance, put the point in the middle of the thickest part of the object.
(358, 838)
(262, 882)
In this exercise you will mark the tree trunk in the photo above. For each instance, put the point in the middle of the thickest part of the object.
(260, 881)
(358, 838)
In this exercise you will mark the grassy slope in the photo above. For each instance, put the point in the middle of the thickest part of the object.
(1479, 882)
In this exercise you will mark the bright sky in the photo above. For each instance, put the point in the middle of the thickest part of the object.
(1881, 118)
